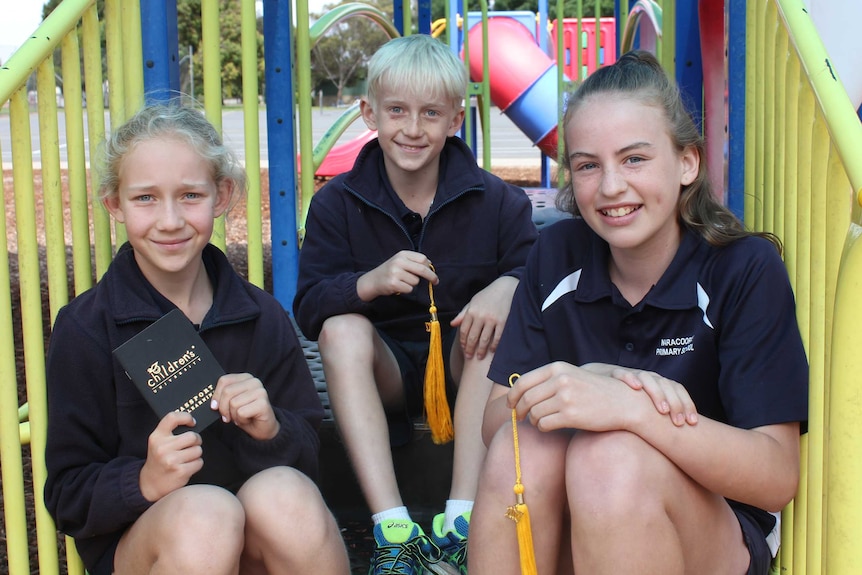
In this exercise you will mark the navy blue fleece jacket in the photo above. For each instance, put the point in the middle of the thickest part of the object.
(98, 421)
(478, 229)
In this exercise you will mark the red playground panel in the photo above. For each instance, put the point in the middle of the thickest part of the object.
(606, 45)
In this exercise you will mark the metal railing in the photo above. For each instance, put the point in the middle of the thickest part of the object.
(801, 181)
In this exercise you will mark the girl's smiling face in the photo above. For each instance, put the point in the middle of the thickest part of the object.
(167, 199)
(626, 172)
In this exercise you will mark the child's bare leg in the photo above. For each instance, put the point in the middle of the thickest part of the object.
(473, 390)
(195, 529)
(493, 541)
(288, 527)
(633, 511)
(362, 377)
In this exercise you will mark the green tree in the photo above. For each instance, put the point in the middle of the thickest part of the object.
(342, 54)
(189, 33)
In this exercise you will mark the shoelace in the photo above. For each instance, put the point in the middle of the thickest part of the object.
(415, 547)
(459, 556)
(393, 558)
(406, 554)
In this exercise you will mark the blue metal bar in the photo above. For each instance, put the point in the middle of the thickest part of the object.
(280, 121)
(735, 192)
(424, 11)
(160, 46)
(398, 16)
(689, 67)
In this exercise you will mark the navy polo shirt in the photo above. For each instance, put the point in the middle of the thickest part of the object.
(721, 321)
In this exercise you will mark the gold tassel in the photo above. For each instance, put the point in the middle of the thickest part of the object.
(519, 512)
(437, 412)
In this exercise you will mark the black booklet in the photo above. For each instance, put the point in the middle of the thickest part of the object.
(173, 368)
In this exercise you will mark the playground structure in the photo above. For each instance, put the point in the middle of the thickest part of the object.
(791, 158)
(523, 75)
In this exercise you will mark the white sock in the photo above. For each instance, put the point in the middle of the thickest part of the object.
(393, 513)
(454, 508)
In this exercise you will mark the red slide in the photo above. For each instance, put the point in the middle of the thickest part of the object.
(341, 157)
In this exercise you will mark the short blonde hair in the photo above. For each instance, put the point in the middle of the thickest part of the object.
(417, 64)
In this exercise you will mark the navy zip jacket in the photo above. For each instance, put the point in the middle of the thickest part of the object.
(478, 229)
(98, 421)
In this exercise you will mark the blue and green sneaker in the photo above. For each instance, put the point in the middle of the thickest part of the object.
(404, 549)
(453, 544)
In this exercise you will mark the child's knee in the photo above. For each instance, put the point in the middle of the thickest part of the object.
(609, 469)
(280, 492)
(208, 527)
(207, 505)
(344, 329)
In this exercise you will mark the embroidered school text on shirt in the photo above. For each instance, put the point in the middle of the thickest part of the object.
(675, 345)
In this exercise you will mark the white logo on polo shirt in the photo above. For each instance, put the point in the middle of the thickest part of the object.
(566, 285)
(703, 303)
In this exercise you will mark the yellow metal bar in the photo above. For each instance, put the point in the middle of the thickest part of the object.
(211, 48)
(485, 94)
(76, 166)
(578, 48)
(777, 190)
(597, 37)
(11, 466)
(800, 506)
(561, 92)
(74, 565)
(33, 336)
(817, 347)
(303, 107)
(52, 190)
(827, 87)
(667, 44)
(791, 229)
(407, 17)
(24, 432)
(805, 147)
(133, 56)
(15, 71)
(845, 489)
(756, 113)
(254, 223)
(804, 298)
(785, 552)
(93, 83)
(114, 47)
(750, 159)
(768, 186)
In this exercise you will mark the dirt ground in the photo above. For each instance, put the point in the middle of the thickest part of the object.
(356, 536)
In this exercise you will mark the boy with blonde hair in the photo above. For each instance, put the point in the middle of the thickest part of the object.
(414, 197)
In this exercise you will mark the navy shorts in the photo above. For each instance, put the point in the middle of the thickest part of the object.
(411, 357)
(758, 550)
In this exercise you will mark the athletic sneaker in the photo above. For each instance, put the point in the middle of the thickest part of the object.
(404, 549)
(453, 544)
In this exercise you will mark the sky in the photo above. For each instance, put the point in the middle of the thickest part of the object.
(18, 19)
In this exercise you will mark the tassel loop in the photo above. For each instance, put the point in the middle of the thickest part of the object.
(437, 412)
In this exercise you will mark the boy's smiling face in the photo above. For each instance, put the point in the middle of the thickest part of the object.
(412, 129)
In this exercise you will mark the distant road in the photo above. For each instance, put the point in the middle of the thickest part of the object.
(510, 147)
